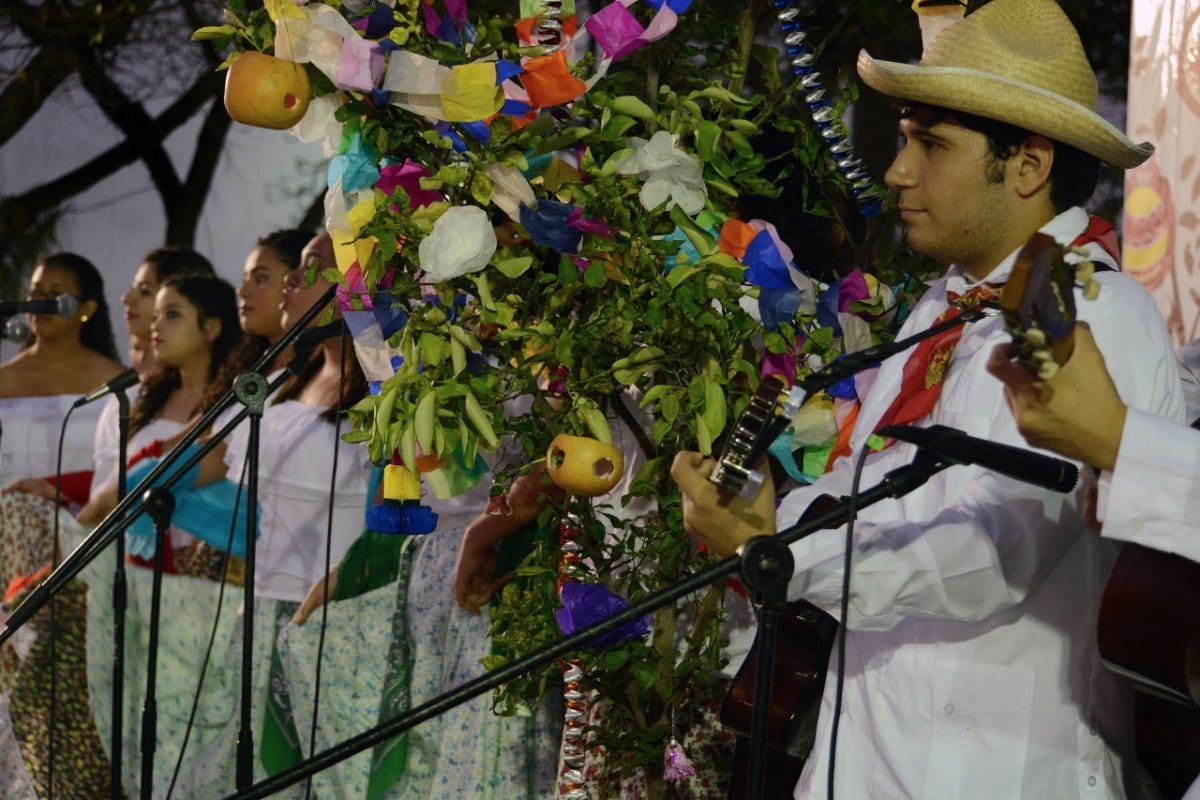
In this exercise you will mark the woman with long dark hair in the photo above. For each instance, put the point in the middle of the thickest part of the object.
(69, 355)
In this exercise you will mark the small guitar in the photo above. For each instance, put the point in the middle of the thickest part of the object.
(1038, 303)
(806, 633)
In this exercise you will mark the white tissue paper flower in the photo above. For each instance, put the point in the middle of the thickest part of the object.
(668, 172)
(462, 241)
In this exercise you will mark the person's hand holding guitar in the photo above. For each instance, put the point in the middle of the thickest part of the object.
(1055, 379)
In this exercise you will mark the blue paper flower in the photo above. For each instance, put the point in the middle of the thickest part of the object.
(548, 225)
(765, 266)
(777, 306)
(356, 166)
(585, 604)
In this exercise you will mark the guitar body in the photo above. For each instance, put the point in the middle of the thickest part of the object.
(803, 644)
(1149, 631)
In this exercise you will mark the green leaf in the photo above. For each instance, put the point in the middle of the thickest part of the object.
(707, 135)
(452, 175)
(481, 188)
(681, 274)
(741, 144)
(714, 413)
(212, 32)
(515, 267)
(646, 673)
(594, 276)
(631, 106)
(615, 659)
(616, 127)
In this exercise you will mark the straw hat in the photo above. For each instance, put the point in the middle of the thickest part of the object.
(1016, 61)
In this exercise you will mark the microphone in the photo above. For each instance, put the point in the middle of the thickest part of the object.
(15, 330)
(63, 306)
(118, 384)
(954, 446)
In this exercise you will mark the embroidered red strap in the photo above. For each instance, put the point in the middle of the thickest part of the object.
(924, 371)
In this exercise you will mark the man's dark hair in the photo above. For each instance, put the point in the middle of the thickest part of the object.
(1073, 176)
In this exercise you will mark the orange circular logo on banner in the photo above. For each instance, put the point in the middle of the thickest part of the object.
(1149, 225)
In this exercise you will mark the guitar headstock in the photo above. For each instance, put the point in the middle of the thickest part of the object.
(1038, 303)
(770, 410)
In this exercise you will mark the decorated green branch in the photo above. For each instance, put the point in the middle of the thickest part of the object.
(542, 237)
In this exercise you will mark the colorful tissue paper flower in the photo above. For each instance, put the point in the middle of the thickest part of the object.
(678, 6)
(353, 286)
(588, 225)
(585, 604)
(765, 266)
(378, 23)
(668, 172)
(510, 190)
(549, 81)
(616, 30)
(408, 177)
(388, 315)
(470, 93)
(361, 65)
(547, 225)
(688, 254)
(827, 310)
(356, 166)
(462, 241)
(506, 70)
(778, 306)
(852, 288)
(782, 365)
(735, 236)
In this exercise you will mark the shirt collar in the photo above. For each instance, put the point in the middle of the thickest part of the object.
(1064, 228)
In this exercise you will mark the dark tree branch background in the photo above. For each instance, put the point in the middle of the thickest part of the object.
(131, 55)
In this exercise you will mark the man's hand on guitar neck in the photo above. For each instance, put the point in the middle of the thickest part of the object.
(1077, 413)
(721, 521)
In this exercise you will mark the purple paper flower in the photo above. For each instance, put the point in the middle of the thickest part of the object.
(585, 604)
(408, 177)
(852, 288)
(596, 227)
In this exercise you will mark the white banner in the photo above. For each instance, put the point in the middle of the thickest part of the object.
(1162, 196)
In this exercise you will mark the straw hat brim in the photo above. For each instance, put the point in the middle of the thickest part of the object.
(986, 94)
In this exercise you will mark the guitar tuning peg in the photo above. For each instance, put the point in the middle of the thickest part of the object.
(1091, 289)
(1040, 357)
(1035, 337)
(1084, 271)
(1047, 370)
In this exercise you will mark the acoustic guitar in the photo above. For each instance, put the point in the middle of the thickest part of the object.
(1149, 624)
(805, 633)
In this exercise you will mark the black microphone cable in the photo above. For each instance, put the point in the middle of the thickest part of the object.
(337, 436)
(187, 732)
(851, 515)
(55, 554)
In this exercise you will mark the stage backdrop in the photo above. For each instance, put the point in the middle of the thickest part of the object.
(1162, 197)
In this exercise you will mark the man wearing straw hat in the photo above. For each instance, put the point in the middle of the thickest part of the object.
(971, 668)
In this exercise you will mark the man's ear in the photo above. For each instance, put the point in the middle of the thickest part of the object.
(1033, 162)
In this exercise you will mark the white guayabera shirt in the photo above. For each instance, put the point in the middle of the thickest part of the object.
(971, 663)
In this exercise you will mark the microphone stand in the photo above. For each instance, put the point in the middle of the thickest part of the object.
(120, 603)
(856, 362)
(113, 524)
(755, 561)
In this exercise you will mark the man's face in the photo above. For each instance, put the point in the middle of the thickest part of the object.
(950, 203)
